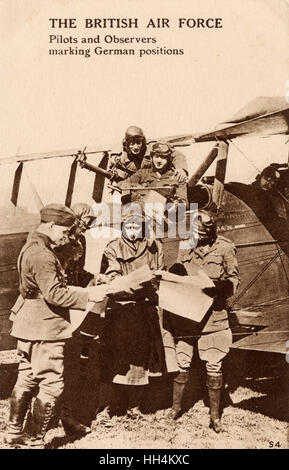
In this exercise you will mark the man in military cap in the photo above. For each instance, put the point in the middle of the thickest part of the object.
(136, 155)
(217, 256)
(42, 324)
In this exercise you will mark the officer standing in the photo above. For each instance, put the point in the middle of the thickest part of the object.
(136, 155)
(213, 337)
(42, 325)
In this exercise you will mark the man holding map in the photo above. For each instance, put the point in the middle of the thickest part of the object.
(216, 256)
(42, 325)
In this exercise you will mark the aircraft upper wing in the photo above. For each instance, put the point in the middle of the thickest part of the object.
(260, 106)
(262, 116)
(56, 154)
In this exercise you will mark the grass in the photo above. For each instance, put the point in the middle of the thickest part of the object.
(255, 416)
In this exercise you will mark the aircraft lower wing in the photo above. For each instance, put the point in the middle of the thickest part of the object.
(266, 331)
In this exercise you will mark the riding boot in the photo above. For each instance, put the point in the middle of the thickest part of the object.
(71, 425)
(41, 417)
(214, 385)
(19, 405)
(178, 391)
(108, 404)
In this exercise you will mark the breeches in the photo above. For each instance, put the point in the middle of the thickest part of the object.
(212, 347)
(41, 365)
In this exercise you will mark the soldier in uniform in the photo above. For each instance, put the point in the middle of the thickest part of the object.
(92, 325)
(160, 175)
(274, 181)
(41, 325)
(131, 346)
(72, 255)
(136, 155)
(268, 197)
(213, 337)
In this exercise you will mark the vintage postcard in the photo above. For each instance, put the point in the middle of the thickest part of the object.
(139, 137)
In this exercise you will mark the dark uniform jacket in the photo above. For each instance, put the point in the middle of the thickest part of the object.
(219, 262)
(44, 314)
(72, 258)
(166, 184)
(124, 165)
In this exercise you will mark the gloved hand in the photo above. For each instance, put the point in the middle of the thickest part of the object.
(181, 175)
(210, 291)
(179, 269)
(222, 288)
(225, 287)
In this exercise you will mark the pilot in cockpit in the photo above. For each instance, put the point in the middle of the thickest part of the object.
(274, 180)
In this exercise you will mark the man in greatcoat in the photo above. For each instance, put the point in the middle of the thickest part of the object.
(131, 346)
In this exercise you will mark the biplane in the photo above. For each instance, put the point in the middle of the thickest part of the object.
(260, 318)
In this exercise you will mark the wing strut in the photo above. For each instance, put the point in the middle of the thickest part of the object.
(219, 180)
(71, 182)
(204, 166)
(99, 179)
(16, 184)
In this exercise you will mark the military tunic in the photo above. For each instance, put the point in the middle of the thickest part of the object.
(213, 335)
(131, 347)
(42, 323)
(124, 165)
(45, 312)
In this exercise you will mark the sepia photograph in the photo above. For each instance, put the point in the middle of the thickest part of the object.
(144, 227)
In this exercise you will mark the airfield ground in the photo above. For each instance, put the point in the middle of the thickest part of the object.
(255, 414)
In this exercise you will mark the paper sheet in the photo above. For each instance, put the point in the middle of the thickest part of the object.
(122, 283)
(183, 295)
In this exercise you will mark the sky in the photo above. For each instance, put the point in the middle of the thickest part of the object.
(58, 102)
